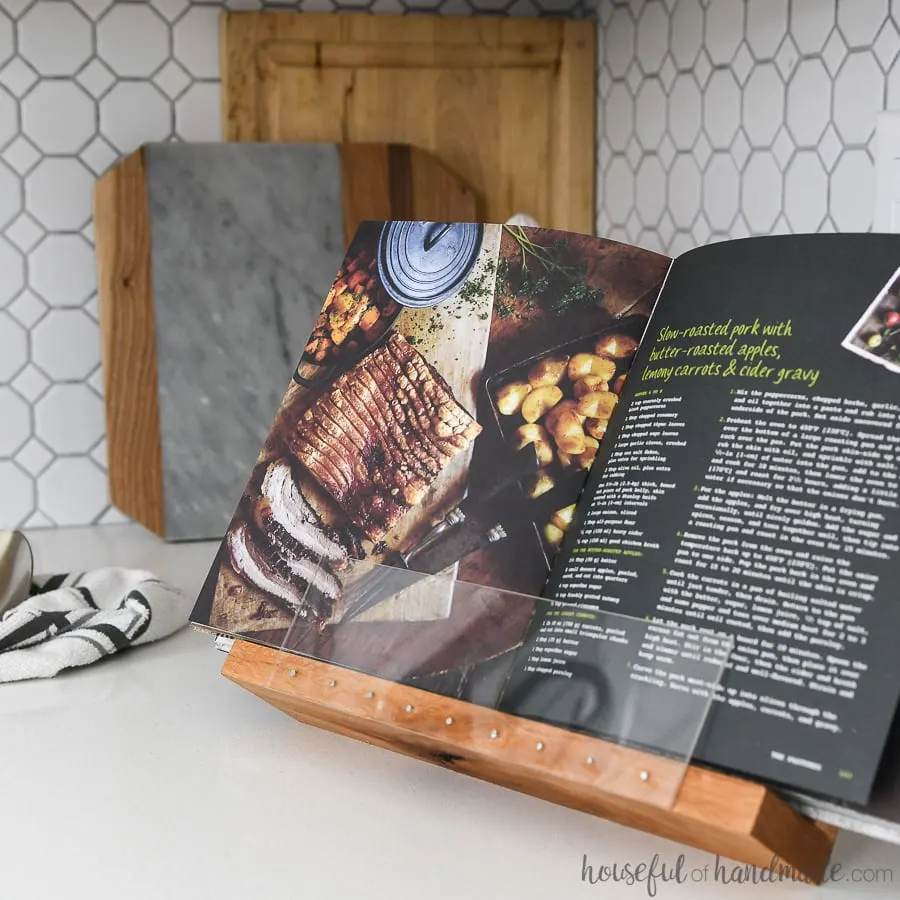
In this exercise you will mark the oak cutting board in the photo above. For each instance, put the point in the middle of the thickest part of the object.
(506, 103)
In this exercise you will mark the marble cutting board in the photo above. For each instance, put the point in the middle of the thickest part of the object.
(246, 240)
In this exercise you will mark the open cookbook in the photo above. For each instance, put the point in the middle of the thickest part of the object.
(592, 430)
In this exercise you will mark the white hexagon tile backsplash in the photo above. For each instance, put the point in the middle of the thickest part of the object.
(751, 116)
(83, 82)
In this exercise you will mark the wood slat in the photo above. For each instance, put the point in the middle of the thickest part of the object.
(128, 343)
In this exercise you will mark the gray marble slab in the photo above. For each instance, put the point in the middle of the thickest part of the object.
(246, 241)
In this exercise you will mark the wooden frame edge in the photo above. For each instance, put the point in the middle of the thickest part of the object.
(128, 342)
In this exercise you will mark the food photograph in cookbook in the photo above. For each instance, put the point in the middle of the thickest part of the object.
(442, 419)
(876, 336)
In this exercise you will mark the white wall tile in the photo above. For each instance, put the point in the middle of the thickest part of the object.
(127, 131)
(724, 29)
(650, 190)
(687, 32)
(650, 114)
(685, 190)
(24, 232)
(767, 24)
(72, 491)
(685, 111)
(763, 105)
(133, 40)
(13, 347)
(58, 117)
(790, 90)
(55, 37)
(761, 191)
(17, 76)
(852, 190)
(66, 344)
(721, 191)
(806, 192)
(652, 37)
(197, 43)
(27, 309)
(7, 46)
(618, 42)
(62, 270)
(12, 271)
(9, 118)
(811, 23)
(20, 155)
(16, 418)
(17, 491)
(618, 121)
(198, 114)
(10, 195)
(34, 457)
(809, 102)
(721, 108)
(618, 191)
(861, 20)
(31, 383)
(69, 418)
(58, 194)
(858, 96)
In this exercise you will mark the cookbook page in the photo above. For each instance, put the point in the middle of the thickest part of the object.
(749, 485)
(431, 426)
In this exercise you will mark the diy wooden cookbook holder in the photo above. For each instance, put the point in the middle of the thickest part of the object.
(730, 816)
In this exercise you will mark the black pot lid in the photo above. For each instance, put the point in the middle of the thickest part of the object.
(423, 263)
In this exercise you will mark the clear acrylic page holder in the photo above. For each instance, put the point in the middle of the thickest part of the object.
(609, 702)
(579, 706)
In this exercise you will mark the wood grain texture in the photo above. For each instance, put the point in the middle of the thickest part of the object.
(128, 343)
(714, 812)
(507, 104)
(384, 182)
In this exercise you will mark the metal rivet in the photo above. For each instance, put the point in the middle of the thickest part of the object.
(332, 683)
(590, 760)
(293, 673)
(409, 707)
(448, 720)
(645, 775)
(494, 734)
(369, 695)
(539, 745)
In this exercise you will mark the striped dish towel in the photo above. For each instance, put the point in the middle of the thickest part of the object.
(74, 620)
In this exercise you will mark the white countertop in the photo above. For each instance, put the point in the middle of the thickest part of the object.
(150, 776)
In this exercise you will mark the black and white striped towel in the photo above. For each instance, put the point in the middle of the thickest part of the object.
(74, 620)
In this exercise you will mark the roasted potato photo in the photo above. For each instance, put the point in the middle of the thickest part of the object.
(511, 396)
(540, 401)
(548, 372)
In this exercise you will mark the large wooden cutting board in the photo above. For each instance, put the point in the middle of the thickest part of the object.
(508, 104)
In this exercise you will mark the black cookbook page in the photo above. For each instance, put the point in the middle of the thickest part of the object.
(749, 486)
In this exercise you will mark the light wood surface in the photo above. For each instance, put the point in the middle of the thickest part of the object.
(505, 103)
(715, 812)
(128, 343)
(385, 182)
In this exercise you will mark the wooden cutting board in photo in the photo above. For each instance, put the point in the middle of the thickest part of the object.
(451, 339)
